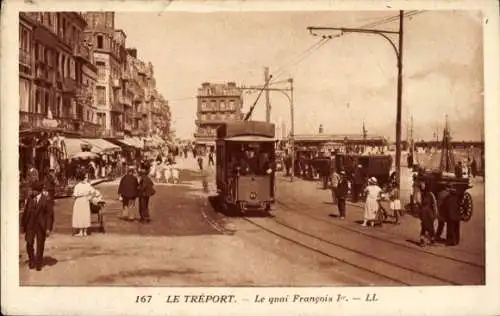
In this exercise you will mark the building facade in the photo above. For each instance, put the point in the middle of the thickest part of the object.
(217, 103)
(51, 58)
(110, 60)
(76, 76)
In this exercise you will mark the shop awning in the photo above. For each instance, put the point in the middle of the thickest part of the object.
(73, 146)
(154, 141)
(158, 139)
(102, 146)
(131, 142)
(138, 141)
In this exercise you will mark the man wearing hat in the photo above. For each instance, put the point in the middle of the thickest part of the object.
(37, 222)
(341, 194)
(453, 217)
(128, 193)
(145, 191)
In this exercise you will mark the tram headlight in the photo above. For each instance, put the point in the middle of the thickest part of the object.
(253, 195)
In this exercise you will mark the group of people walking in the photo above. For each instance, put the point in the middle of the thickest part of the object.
(136, 186)
(444, 209)
(341, 186)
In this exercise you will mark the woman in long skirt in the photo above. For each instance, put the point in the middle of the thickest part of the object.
(82, 193)
(167, 172)
(371, 205)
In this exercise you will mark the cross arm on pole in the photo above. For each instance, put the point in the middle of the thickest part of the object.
(382, 33)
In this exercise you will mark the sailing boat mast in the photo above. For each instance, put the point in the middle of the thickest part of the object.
(412, 143)
(447, 160)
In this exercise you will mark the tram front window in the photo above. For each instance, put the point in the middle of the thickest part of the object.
(252, 160)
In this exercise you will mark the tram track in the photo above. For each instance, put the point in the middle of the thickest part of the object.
(358, 231)
(385, 272)
(442, 269)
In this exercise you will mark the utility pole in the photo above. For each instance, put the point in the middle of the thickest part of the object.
(288, 93)
(399, 102)
(292, 131)
(268, 104)
(399, 55)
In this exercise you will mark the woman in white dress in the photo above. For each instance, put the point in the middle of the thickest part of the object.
(371, 205)
(167, 172)
(82, 193)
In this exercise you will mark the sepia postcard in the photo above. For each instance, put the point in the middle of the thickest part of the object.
(249, 157)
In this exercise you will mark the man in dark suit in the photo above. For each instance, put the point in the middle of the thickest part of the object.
(37, 222)
(128, 192)
(145, 191)
(341, 193)
(453, 218)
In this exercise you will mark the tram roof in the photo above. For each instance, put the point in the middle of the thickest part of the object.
(230, 130)
(250, 139)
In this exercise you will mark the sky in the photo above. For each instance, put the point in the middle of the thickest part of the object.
(348, 80)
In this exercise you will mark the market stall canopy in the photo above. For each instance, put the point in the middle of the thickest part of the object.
(102, 146)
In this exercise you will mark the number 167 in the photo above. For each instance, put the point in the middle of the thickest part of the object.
(143, 299)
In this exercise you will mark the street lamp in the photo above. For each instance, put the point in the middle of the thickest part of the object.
(399, 56)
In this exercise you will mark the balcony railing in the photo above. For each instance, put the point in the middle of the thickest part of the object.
(117, 107)
(83, 51)
(110, 133)
(30, 120)
(44, 73)
(126, 100)
(84, 92)
(25, 58)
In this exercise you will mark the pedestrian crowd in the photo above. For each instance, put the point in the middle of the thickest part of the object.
(443, 209)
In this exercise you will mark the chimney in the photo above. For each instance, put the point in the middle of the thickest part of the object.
(321, 128)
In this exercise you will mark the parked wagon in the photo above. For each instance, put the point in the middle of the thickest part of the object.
(437, 181)
(377, 166)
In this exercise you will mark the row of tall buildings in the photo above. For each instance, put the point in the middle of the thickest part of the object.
(76, 74)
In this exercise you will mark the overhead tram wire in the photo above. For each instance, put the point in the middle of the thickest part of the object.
(305, 52)
(326, 38)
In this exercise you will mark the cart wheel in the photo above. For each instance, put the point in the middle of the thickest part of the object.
(466, 207)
